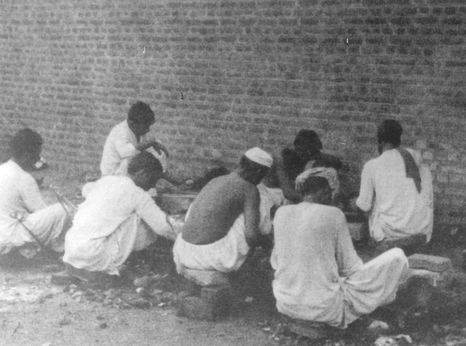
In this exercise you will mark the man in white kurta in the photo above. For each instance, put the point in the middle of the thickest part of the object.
(396, 208)
(318, 275)
(20, 194)
(116, 218)
(22, 208)
(127, 139)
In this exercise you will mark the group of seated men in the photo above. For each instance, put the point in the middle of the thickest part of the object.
(318, 274)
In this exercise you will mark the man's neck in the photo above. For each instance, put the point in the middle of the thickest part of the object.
(20, 163)
(387, 146)
(311, 199)
(243, 176)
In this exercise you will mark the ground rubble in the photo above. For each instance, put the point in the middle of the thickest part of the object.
(150, 282)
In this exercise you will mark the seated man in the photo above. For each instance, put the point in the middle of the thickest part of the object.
(306, 153)
(128, 138)
(222, 223)
(26, 222)
(396, 189)
(117, 217)
(318, 275)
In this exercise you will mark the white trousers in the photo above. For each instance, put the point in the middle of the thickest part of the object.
(224, 255)
(107, 254)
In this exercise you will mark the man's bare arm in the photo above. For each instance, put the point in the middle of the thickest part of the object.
(251, 216)
(154, 144)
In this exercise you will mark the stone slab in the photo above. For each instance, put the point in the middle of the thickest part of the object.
(407, 242)
(206, 277)
(311, 330)
(434, 278)
(217, 293)
(429, 262)
(197, 308)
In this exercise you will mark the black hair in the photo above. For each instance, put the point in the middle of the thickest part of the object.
(249, 166)
(25, 141)
(390, 131)
(140, 112)
(145, 161)
(313, 184)
(308, 139)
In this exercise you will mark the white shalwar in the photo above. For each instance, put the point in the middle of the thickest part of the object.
(319, 276)
(116, 218)
(396, 208)
(120, 146)
(270, 198)
(224, 255)
(19, 193)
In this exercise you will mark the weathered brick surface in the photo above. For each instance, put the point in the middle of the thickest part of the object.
(206, 277)
(227, 75)
(429, 262)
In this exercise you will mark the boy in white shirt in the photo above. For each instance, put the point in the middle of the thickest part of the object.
(117, 217)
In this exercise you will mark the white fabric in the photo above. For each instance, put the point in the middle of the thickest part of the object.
(19, 192)
(328, 173)
(224, 255)
(270, 198)
(259, 156)
(108, 225)
(120, 147)
(397, 208)
(318, 274)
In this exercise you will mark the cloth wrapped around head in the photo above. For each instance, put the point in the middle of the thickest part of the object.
(330, 174)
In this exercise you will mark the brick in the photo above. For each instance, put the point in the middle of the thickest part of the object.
(308, 329)
(206, 278)
(410, 242)
(197, 308)
(429, 262)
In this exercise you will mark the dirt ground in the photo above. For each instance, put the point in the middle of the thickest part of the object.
(33, 311)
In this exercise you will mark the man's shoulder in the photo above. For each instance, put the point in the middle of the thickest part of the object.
(373, 163)
(330, 210)
(119, 129)
(117, 183)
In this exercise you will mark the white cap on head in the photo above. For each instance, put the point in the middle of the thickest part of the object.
(259, 156)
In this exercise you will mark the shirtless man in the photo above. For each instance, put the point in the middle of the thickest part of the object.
(306, 153)
(222, 223)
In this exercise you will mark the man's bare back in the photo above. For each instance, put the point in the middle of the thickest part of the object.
(217, 207)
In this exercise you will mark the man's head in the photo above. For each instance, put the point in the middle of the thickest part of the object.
(140, 118)
(307, 142)
(145, 170)
(254, 165)
(389, 133)
(25, 148)
(317, 184)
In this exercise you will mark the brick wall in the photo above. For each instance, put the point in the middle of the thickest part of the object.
(226, 75)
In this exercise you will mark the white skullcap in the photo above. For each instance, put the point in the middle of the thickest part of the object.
(328, 173)
(259, 156)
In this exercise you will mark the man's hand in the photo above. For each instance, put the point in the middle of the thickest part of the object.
(159, 147)
(152, 143)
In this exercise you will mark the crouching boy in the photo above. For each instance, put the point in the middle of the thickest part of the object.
(117, 217)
